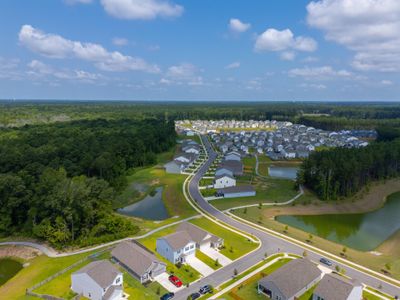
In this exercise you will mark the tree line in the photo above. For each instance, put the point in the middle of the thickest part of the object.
(58, 181)
(341, 172)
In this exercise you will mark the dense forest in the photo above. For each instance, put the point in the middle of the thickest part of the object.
(341, 172)
(58, 181)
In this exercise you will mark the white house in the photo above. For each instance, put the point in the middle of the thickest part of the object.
(223, 181)
(98, 280)
(176, 247)
(191, 149)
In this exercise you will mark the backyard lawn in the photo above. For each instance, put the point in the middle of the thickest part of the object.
(136, 290)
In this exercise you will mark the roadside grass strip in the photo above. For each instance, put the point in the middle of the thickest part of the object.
(208, 260)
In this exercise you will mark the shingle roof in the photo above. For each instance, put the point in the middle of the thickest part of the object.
(196, 233)
(111, 291)
(293, 277)
(178, 240)
(136, 258)
(224, 175)
(102, 272)
(237, 189)
(333, 287)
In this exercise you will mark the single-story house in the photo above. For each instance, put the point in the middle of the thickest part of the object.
(191, 149)
(186, 157)
(176, 246)
(201, 237)
(223, 181)
(138, 261)
(334, 286)
(175, 167)
(290, 281)
(99, 280)
(237, 191)
(235, 166)
(232, 156)
(223, 171)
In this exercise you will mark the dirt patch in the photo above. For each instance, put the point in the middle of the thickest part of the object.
(368, 200)
(26, 253)
(391, 245)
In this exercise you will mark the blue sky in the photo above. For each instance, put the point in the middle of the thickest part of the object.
(200, 50)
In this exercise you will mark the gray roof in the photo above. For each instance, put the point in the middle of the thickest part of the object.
(135, 257)
(233, 165)
(102, 272)
(293, 277)
(178, 240)
(237, 189)
(224, 175)
(111, 291)
(196, 233)
(334, 286)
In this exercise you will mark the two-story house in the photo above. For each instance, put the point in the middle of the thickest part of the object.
(176, 247)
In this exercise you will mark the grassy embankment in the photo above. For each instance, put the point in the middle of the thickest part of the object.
(368, 200)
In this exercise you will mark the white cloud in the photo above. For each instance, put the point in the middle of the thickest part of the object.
(9, 69)
(40, 67)
(310, 59)
(370, 28)
(386, 82)
(72, 2)
(184, 73)
(141, 9)
(319, 72)
(282, 40)
(117, 41)
(238, 26)
(233, 65)
(55, 46)
(313, 86)
(288, 55)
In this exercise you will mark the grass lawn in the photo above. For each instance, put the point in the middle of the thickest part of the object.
(308, 295)
(232, 241)
(207, 260)
(248, 289)
(369, 296)
(39, 269)
(263, 169)
(267, 190)
(136, 290)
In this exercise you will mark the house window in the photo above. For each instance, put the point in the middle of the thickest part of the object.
(187, 249)
(118, 280)
(192, 246)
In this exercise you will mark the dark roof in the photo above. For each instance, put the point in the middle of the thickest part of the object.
(237, 189)
(334, 286)
(102, 272)
(178, 240)
(293, 277)
(135, 257)
(233, 165)
(196, 233)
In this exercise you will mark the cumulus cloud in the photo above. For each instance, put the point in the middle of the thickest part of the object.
(288, 55)
(319, 72)
(238, 26)
(314, 86)
(233, 65)
(55, 46)
(283, 40)
(184, 73)
(9, 68)
(141, 9)
(370, 28)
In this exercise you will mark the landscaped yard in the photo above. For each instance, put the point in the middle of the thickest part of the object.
(136, 290)
(208, 260)
(248, 289)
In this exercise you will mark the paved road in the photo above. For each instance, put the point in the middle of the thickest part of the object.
(269, 244)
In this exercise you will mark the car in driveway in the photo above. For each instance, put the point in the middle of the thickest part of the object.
(167, 296)
(326, 262)
(175, 281)
(194, 296)
(205, 289)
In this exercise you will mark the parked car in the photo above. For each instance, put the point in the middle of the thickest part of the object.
(195, 296)
(167, 296)
(175, 280)
(325, 262)
(205, 289)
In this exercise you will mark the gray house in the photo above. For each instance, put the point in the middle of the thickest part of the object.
(175, 167)
(201, 237)
(176, 247)
(334, 286)
(138, 261)
(235, 166)
(237, 191)
(290, 281)
(223, 171)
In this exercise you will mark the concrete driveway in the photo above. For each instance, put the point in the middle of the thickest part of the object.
(164, 281)
(214, 254)
(198, 265)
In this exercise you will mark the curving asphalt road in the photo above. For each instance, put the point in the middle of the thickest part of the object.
(269, 244)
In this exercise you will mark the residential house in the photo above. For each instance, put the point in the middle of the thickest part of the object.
(290, 281)
(223, 181)
(237, 191)
(233, 156)
(175, 167)
(235, 166)
(138, 261)
(223, 171)
(201, 237)
(99, 280)
(334, 286)
(176, 246)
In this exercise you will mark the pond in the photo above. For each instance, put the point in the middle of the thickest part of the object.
(8, 269)
(363, 232)
(151, 207)
(283, 172)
